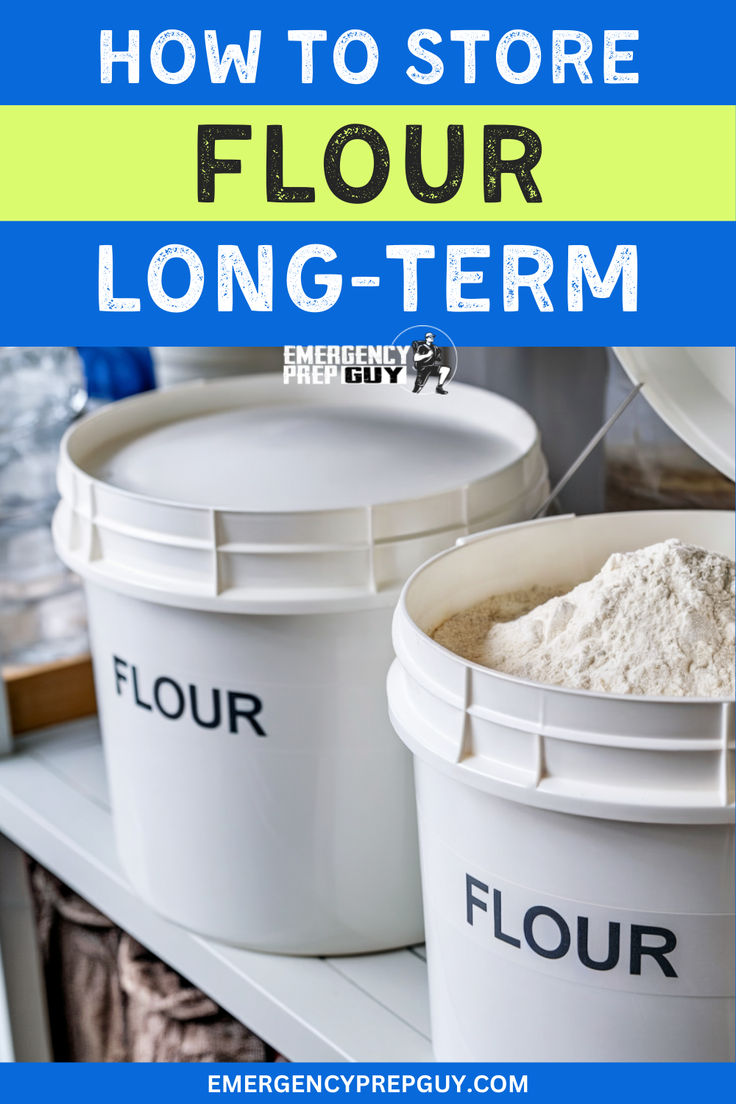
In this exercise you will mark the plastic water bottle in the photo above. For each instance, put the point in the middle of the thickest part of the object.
(41, 607)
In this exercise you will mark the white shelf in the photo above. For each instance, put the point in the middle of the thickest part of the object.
(54, 805)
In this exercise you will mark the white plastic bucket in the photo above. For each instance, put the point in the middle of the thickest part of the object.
(174, 364)
(577, 848)
(242, 545)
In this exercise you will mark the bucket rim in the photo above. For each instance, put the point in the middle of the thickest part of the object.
(228, 382)
(269, 558)
(492, 674)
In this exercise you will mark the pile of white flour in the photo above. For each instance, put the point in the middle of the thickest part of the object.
(656, 621)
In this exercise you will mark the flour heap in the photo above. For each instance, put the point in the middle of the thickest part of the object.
(656, 621)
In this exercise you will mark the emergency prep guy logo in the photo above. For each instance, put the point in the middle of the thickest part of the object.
(414, 358)
(431, 361)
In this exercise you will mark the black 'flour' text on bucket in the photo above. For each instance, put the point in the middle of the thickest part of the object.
(638, 949)
(166, 696)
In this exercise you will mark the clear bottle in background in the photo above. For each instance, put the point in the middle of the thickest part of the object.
(42, 614)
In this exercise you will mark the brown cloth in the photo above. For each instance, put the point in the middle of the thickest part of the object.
(111, 1000)
(170, 1021)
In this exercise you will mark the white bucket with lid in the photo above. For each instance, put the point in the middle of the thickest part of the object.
(577, 847)
(242, 545)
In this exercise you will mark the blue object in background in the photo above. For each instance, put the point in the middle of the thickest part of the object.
(115, 372)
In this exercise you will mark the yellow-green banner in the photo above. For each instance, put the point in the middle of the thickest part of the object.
(599, 163)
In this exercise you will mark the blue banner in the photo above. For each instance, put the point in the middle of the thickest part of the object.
(683, 54)
(607, 1083)
(89, 283)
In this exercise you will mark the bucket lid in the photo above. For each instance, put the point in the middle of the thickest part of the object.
(693, 391)
(240, 491)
